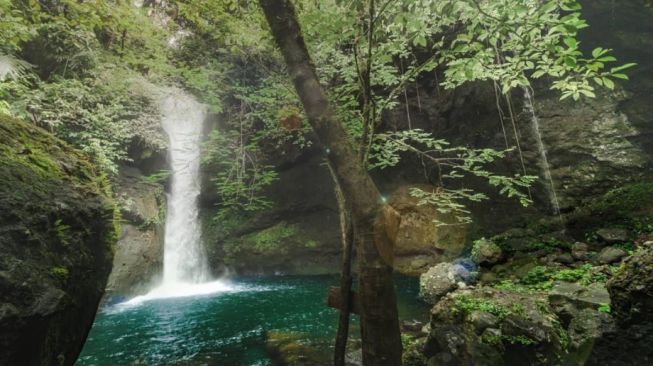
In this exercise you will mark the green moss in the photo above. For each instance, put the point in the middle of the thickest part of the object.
(519, 339)
(467, 304)
(51, 188)
(312, 244)
(412, 354)
(277, 240)
(629, 207)
(272, 239)
(61, 273)
(626, 199)
(542, 277)
(605, 308)
(549, 245)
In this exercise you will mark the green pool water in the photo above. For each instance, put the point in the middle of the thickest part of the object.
(226, 328)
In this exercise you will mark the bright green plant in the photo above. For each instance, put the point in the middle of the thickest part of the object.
(61, 273)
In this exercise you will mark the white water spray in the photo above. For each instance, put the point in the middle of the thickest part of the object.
(544, 161)
(185, 271)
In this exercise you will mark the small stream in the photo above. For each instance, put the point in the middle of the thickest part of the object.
(225, 328)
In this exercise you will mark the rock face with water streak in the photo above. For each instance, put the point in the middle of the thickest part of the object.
(56, 236)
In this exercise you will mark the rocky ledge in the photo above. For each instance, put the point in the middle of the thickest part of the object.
(57, 229)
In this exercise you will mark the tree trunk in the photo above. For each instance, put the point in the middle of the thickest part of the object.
(346, 230)
(374, 223)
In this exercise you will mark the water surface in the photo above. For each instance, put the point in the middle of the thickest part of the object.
(225, 328)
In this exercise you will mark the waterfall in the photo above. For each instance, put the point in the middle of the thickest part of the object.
(544, 161)
(183, 259)
(185, 269)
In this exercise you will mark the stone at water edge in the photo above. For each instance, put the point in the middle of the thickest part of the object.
(446, 277)
(438, 281)
(419, 237)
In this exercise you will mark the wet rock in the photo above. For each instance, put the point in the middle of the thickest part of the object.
(299, 234)
(613, 235)
(611, 255)
(482, 320)
(419, 237)
(139, 252)
(580, 251)
(293, 349)
(486, 252)
(438, 281)
(56, 236)
(354, 358)
(515, 268)
(631, 289)
(586, 328)
(578, 295)
(563, 258)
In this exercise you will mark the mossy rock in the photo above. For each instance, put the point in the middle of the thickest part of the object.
(58, 225)
(281, 248)
(629, 207)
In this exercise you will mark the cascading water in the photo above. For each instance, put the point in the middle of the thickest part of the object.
(185, 270)
(544, 161)
(183, 259)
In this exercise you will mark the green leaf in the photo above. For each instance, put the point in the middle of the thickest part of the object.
(623, 67)
(608, 83)
(571, 42)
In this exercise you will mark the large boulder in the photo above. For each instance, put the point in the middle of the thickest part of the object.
(425, 236)
(631, 289)
(57, 230)
(444, 278)
(486, 326)
(626, 337)
(139, 253)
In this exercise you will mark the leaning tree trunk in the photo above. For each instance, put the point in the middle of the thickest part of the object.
(375, 224)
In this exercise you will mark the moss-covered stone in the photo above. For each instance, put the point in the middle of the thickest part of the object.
(58, 226)
(283, 247)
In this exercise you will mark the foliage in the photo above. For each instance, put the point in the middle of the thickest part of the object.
(451, 163)
(605, 308)
(158, 177)
(86, 81)
(276, 240)
(542, 277)
(507, 42)
(241, 177)
(92, 58)
(549, 244)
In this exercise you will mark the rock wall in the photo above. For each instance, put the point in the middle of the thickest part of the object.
(299, 234)
(57, 231)
(138, 262)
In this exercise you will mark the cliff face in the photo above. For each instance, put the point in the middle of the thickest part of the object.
(592, 146)
(58, 226)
